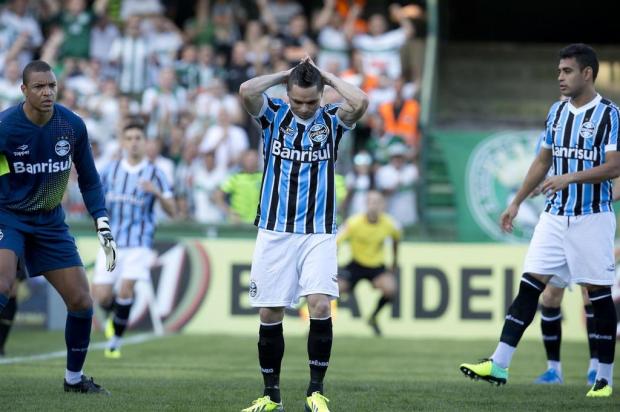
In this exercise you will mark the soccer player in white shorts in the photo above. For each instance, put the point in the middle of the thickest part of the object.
(132, 185)
(295, 252)
(574, 238)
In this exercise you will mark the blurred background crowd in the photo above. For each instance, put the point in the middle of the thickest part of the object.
(179, 64)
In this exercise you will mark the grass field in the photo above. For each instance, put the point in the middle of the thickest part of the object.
(220, 373)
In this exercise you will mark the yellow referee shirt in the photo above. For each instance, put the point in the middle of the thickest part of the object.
(367, 239)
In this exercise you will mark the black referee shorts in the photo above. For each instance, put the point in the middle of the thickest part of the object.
(354, 272)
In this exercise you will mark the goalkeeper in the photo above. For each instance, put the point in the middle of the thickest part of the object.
(39, 143)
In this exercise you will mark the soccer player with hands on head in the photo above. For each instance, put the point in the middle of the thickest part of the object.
(295, 253)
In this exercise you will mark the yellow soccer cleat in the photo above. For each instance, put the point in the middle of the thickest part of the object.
(316, 403)
(112, 353)
(264, 404)
(486, 370)
(108, 332)
(600, 389)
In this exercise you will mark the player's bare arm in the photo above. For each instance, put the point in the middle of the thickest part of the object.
(355, 100)
(167, 203)
(535, 175)
(607, 171)
(251, 91)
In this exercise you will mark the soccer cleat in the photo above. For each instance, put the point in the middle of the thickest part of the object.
(372, 322)
(486, 370)
(591, 377)
(600, 389)
(108, 332)
(550, 377)
(264, 404)
(86, 385)
(316, 403)
(112, 353)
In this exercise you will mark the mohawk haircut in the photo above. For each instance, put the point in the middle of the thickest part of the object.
(305, 75)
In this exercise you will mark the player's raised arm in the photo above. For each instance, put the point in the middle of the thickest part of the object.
(251, 91)
(355, 100)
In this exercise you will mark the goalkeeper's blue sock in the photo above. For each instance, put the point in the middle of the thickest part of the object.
(77, 338)
(4, 299)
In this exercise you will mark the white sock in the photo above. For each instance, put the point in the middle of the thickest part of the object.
(114, 342)
(72, 377)
(557, 365)
(503, 354)
(593, 364)
(605, 371)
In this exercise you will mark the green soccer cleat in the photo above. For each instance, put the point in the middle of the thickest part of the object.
(316, 403)
(264, 404)
(486, 370)
(114, 353)
(600, 390)
(108, 332)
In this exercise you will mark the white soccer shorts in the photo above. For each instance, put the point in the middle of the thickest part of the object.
(573, 249)
(133, 263)
(287, 266)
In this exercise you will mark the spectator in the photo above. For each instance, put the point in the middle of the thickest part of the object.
(206, 181)
(164, 40)
(184, 180)
(243, 191)
(277, 14)
(20, 34)
(132, 8)
(10, 85)
(359, 182)
(130, 55)
(400, 116)
(396, 180)
(380, 48)
(257, 43)
(209, 103)
(227, 141)
(296, 41)
(331, 29)
(76, 22)
(188, 69)
(163, 104)
(102, 35)
(106, 107)
(239, 70)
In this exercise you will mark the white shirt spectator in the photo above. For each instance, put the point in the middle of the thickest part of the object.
(205, 184)
(401, 203)
(228, 145)
(140, 8)
(158, 105)
(381, 53)
(131, 53)
(10, 93)
(14, 26)
(333, 49)
(100, 40)
(208, 105)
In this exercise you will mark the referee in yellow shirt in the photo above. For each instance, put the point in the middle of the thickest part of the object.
(367, 233)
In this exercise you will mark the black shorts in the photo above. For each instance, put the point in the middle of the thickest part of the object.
(354, 272)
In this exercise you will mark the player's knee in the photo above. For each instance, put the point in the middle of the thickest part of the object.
(319, 307)
(551, 298)
(79, 301)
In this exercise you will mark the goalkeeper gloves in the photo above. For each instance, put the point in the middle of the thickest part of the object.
(107, 242)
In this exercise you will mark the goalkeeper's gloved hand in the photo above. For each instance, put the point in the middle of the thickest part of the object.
(107, 242)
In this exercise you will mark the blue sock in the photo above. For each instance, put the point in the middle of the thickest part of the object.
(77, 338)
(4, 299)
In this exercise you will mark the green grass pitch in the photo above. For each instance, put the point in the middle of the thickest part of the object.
(220, 373)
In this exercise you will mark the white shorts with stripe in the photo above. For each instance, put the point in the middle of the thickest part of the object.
(133, 263)
(287, 266)
(573, 249)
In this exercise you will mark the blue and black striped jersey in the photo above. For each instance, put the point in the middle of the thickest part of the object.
(132, 219)
(579, 138)
(297, 191)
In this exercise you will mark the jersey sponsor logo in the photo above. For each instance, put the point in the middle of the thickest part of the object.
(318, 133)
(495, 170)
(287, 131)
(587, 130)
(21, 151)
(124, 198)
(44, 167)
(575, 153)
(62, 147)
(306, 156)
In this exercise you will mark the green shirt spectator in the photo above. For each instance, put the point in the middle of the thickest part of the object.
(242, 190)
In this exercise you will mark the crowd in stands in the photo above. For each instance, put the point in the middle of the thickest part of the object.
(121, 58)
